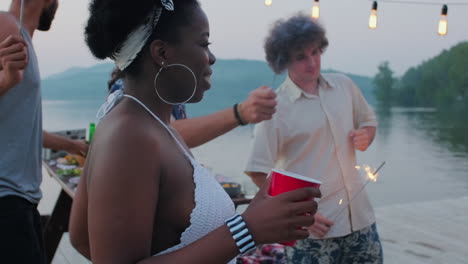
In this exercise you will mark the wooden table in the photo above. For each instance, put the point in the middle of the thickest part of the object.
(58, 221)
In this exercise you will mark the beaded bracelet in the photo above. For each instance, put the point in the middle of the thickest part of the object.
(237, 115)
(240, 233)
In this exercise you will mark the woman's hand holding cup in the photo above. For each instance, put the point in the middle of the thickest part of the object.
(284, 217)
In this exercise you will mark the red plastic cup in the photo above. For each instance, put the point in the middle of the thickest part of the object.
(284, 181)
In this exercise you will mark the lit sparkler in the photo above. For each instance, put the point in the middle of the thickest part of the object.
(370, 176)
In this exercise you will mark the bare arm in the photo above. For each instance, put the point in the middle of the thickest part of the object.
(259, 106)
(57, 142)
(199, 130)
(264, 151)
(13, 54)
(78, 226)
(364, 120)
(259, 178)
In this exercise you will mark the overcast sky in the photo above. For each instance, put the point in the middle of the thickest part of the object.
(406, 34)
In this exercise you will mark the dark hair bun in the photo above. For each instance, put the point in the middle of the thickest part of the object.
(111, 21)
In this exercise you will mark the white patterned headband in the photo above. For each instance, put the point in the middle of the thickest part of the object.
(137, 38)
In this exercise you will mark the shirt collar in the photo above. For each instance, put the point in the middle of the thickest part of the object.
(294, 92)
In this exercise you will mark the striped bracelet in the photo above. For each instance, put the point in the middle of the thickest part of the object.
(240, 233)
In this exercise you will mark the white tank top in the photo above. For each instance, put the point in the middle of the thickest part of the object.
(212, 204)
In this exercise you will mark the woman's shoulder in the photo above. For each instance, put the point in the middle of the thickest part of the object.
(129, 131)
(124, 147)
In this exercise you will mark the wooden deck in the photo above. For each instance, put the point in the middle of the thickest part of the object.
(415, 233)
(428, 232)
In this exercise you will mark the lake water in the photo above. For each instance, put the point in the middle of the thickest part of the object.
(426, 153)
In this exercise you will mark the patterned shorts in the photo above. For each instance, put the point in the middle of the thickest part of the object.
(264, 254)
(361, 246)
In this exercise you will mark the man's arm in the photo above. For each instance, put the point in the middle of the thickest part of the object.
(199, 130)
(364, 119)
(259, 106)
(57, 142)
(259, 178)
(13, 54)
(264, 151)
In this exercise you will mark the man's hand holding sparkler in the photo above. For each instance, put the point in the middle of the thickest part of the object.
(259, 106)
(321, 226)
(361, 138)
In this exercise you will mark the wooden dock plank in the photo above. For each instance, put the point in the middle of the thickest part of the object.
(428, 232)
(434, 232)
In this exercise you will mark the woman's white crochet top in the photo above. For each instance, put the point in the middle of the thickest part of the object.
(212, 204)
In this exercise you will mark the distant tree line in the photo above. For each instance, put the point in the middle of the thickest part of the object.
(440, 82)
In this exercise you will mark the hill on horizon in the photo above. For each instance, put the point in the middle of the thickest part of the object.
(231, 82)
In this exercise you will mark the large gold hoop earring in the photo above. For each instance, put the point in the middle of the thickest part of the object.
(172, 65)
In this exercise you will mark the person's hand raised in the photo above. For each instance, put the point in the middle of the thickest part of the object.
(13, 59)
(259, 106)
(284, 217)
(360, 139)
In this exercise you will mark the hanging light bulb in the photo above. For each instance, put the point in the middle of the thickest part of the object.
(316, 10)
(443, 24)
(268, 2)
(373, 16)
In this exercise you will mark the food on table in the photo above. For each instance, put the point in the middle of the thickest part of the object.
(69, 172)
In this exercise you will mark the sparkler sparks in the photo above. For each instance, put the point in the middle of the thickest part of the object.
(370, 176)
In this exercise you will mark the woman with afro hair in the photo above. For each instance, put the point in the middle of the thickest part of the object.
(143, 198)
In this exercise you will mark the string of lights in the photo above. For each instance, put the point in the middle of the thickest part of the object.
(421, 2)
(442, 28)
(443, 23)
